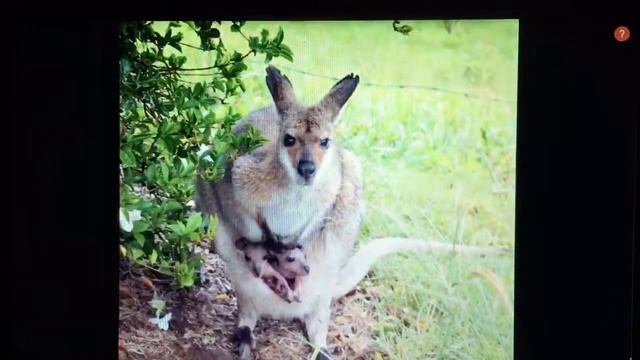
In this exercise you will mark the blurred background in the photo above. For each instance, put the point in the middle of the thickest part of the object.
(434, 124)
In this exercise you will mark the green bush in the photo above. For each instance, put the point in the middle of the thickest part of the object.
(165, 123)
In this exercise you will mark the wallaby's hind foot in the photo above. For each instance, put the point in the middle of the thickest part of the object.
(244, 341)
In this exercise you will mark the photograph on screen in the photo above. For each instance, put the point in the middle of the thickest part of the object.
(317, 189)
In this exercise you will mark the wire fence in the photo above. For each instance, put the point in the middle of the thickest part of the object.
(371, 84)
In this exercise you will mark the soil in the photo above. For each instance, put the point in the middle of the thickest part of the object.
(203, 321)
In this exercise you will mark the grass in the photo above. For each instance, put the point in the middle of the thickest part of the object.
(437, 165)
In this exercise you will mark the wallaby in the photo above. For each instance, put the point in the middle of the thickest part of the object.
(281, 270)
(308, 190)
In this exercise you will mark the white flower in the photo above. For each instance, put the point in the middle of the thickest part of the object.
(163, 322)
(127, 225)
(204, 148)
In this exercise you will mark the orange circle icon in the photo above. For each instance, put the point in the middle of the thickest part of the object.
(622, 33)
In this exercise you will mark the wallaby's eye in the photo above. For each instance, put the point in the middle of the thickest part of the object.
(246, 257)
(290, 259)
(299, 246)
(324, 142)
(289, 140)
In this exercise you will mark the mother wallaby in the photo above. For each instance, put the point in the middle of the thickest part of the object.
(306, 187)
(308, 190)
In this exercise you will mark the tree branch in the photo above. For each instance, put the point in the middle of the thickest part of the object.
(204, 68)
(147, 112)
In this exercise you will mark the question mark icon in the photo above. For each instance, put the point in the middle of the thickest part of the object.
(622, 33)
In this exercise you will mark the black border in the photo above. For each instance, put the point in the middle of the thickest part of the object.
(577, 120)
(577, 131)
(65, 195)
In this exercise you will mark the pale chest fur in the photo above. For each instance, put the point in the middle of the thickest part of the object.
(290, 211)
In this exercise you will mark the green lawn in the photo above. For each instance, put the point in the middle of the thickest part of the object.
(437, 165)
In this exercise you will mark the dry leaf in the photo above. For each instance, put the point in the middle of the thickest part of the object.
(147, 282)
(421, 325)
(222, 297)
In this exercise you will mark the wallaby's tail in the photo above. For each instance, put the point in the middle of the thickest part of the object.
(361, 262)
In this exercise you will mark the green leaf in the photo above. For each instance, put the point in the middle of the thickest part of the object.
(203, 25)
(194, 222)
(136, 253)
(286, 52)
(254, 43)
(140, 226)
(198, 90)
(153, 257)
(185, 275)
(150, 173)
(219, 85)
(165, 171)
(191, 104)
(176, 46)
(195, 262)
(210, 33)
(236, 69)
(264, 34)
(279, 37)
(192, 25)
(172, 205)
(127, 158)
(183, 229)
(195, 237)
(235, 28)
(183, 163)
(177, 229)
(139, 238)
(187, 280)
(241, 84)
(210, 118)
(236, 56)
(272, 51)
(208, 102)
(165, 107)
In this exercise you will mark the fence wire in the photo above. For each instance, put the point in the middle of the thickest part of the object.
(371, 84)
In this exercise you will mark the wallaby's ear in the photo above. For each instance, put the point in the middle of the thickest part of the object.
(339, 94)
(241, 243)
(280, 88)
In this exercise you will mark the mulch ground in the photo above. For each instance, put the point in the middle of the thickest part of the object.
(203, 321)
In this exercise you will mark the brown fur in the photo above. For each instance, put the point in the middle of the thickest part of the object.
(322, 210)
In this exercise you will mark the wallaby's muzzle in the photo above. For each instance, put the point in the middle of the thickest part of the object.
(306, 169)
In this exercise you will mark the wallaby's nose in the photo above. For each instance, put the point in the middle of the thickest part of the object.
(306, 269)
(306, 168)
